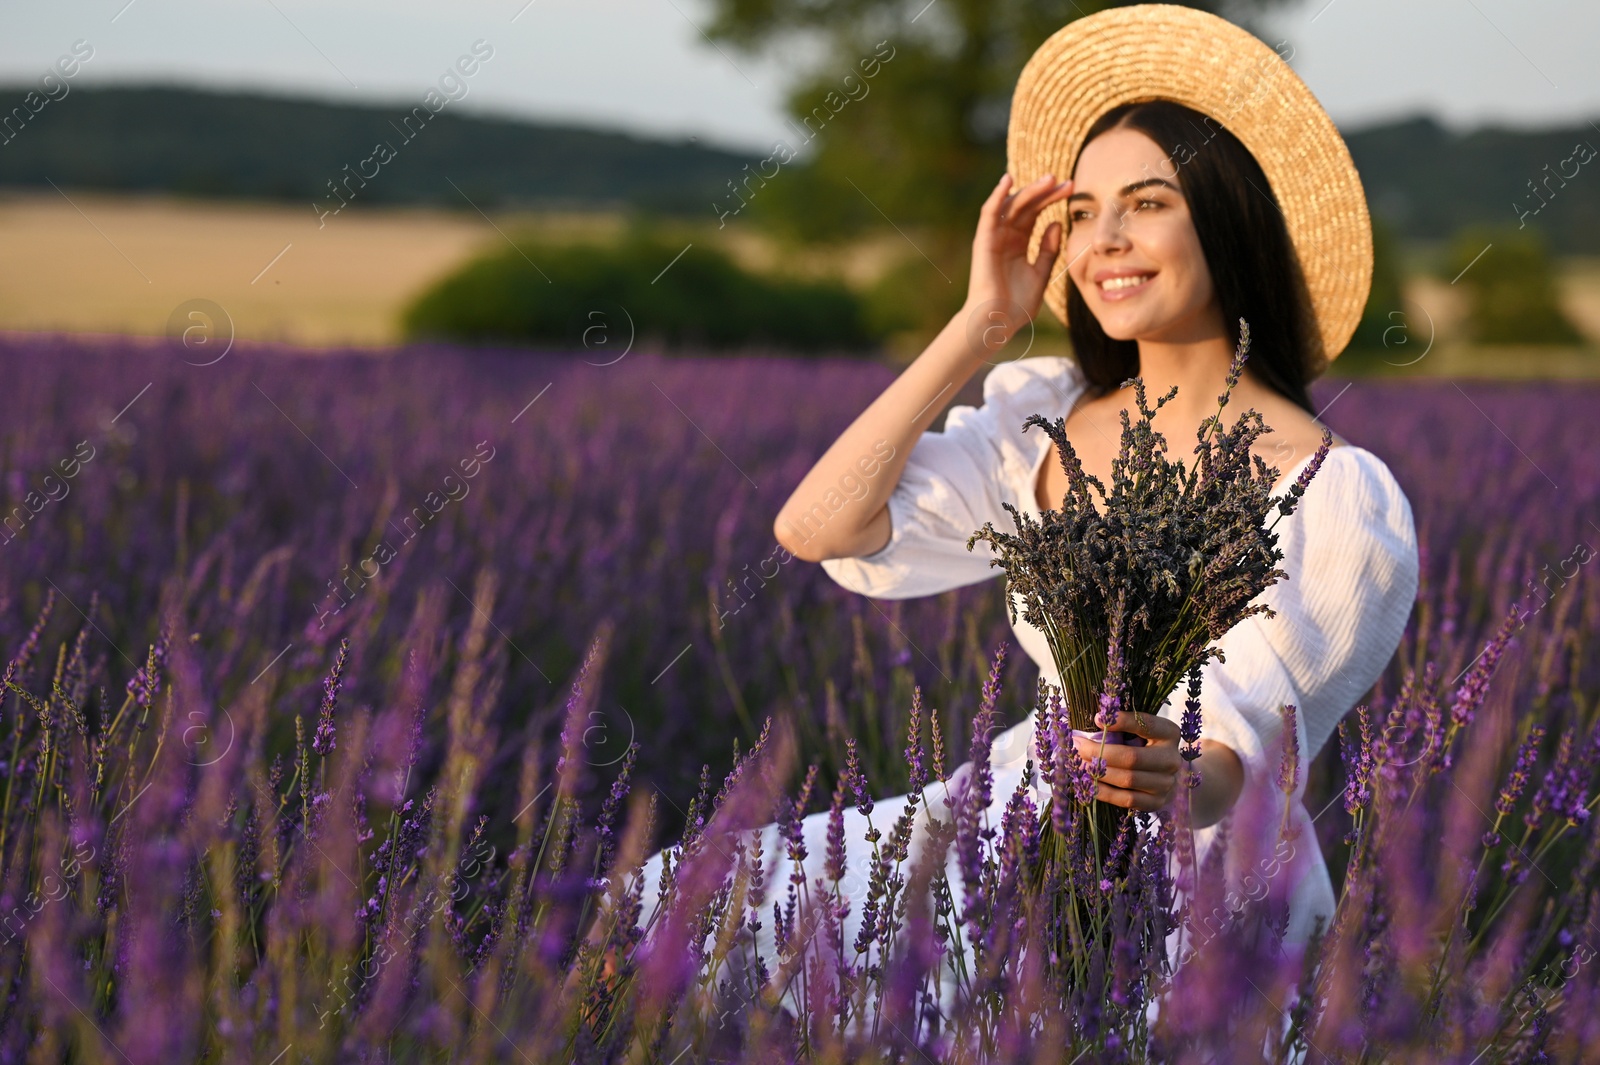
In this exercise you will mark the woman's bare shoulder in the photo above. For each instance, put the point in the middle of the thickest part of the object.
(1292, 428)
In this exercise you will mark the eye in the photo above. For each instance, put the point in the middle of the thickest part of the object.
(1142, 204)
(1078, 215)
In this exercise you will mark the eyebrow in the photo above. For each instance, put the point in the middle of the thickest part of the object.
(1129, 190)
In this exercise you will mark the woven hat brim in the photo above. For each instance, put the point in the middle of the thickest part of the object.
(1166, 52)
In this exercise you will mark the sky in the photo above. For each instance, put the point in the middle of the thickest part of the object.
(643, 66)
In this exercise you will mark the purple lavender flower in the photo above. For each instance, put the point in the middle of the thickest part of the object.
(1084, 778)
(30, 644)
(1110, 703)
(834, 860)
(1512, 789)
(325, 738)
(1575, 787)
(1044, 729)
(858, 781)
(605, 827)
(145, 683)
(1289, 764)
(918, 771)
(982, 733)
(1552, 791)
(1302, 482)
(1360, 761)
(1189, 727)
(1470, 695)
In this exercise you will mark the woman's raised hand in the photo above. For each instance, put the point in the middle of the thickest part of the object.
(1140, 778)
(1005, 289)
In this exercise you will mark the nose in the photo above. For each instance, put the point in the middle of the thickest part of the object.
(1109, 232)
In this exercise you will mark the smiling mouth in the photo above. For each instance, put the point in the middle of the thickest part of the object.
(1122, 284)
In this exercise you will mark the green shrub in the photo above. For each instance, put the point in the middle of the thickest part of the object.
(596, 295)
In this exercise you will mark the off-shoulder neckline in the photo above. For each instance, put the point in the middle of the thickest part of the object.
(1030, 495)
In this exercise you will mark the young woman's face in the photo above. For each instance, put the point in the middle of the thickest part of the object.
(1131, 245)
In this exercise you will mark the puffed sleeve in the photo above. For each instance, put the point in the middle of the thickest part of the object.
(955, 480)
(1350, 550)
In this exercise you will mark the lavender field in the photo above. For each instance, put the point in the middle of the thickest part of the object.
(296, 644)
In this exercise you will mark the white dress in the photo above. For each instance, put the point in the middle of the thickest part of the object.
(1350, 551)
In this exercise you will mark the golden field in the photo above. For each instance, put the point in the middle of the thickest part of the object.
(121, 264)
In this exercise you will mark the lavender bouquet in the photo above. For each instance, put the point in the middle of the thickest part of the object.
(1130, 595)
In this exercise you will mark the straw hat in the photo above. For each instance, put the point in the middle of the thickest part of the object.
(1162, 51)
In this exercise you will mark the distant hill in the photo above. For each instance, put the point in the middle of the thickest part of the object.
(264, 147)
(1427, 181)
(1423, 179)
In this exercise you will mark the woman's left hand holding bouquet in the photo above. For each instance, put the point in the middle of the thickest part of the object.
(1139, 777)
(1147, 777)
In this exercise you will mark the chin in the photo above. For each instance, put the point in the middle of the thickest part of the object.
(1122, 333)
(1124, 323)
(1120, 327)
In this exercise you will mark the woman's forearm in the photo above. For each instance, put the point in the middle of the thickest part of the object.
(864, 464)
(1221, 781)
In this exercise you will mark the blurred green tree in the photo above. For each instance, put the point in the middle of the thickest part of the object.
(1511, 283)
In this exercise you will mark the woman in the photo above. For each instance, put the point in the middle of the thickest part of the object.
(1151, 229)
